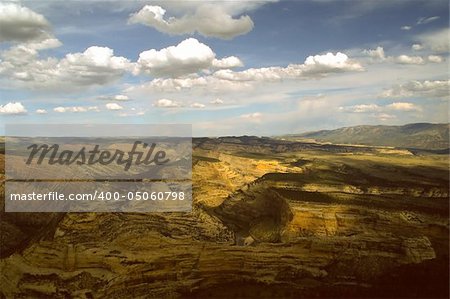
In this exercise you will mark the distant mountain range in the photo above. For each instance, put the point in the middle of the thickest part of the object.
(418, 136)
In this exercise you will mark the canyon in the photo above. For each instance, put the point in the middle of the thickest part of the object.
(270, 218)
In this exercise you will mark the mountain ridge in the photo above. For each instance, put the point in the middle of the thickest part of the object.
(415, 135)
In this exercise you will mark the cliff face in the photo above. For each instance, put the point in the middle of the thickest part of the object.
(269, 220)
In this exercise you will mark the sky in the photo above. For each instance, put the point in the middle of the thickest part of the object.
(227, 67)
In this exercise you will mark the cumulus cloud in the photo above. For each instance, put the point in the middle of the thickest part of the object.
(113, 106)
(227, 62)
(328, 63)
(405, 59)
(95, 66)
(377, 54)
(338, 61)
(47, 43)
(226, 80)
(403, 106)
(170, 84)
(21, 24)
(197, 105)
(255, 117)
(206, 84)
(435, 58)
(12, 108)
(256, 74)
(406, 28)
(384, 116)
(377, 109)
(60, 109)
(93, 108)
(118, 97)
(433, 89)
(363, 108)
(216, 102)
(437, 40)
(189, 56)
(41, 111)
(417, 47)
(133, 112)
(313, 67)
(166, 103)
(75, 109)
(207, 19)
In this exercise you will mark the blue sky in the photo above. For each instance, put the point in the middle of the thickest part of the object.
(226, 67)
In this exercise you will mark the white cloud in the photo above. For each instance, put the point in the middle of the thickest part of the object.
(41, 111)
(95, 60)
(189, 56)
(206, 84)
(313, 67)
(433, 89)
(322, 65)
(384, 116)
(121, 97)
(134, 112)
(363, 108)
(417, 47)
(256, 116)
(16, 59)
(21, 24)
(420, 21)
(435, 58)
(248, 81)
(403, 106)
(113, 106)
(60, 109)
(75, 109)
(118, 97)
(95, 66)
(437, 40)
(198, 105)
(93, 108)
(207, 19)
(426, 20)
(227, 62)
(12, 108)
(377, 53)
(216, 102)
(48, 43)
(332, 61)
(377, 109)
(166, 103)
(405, 59)
(254, 74)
